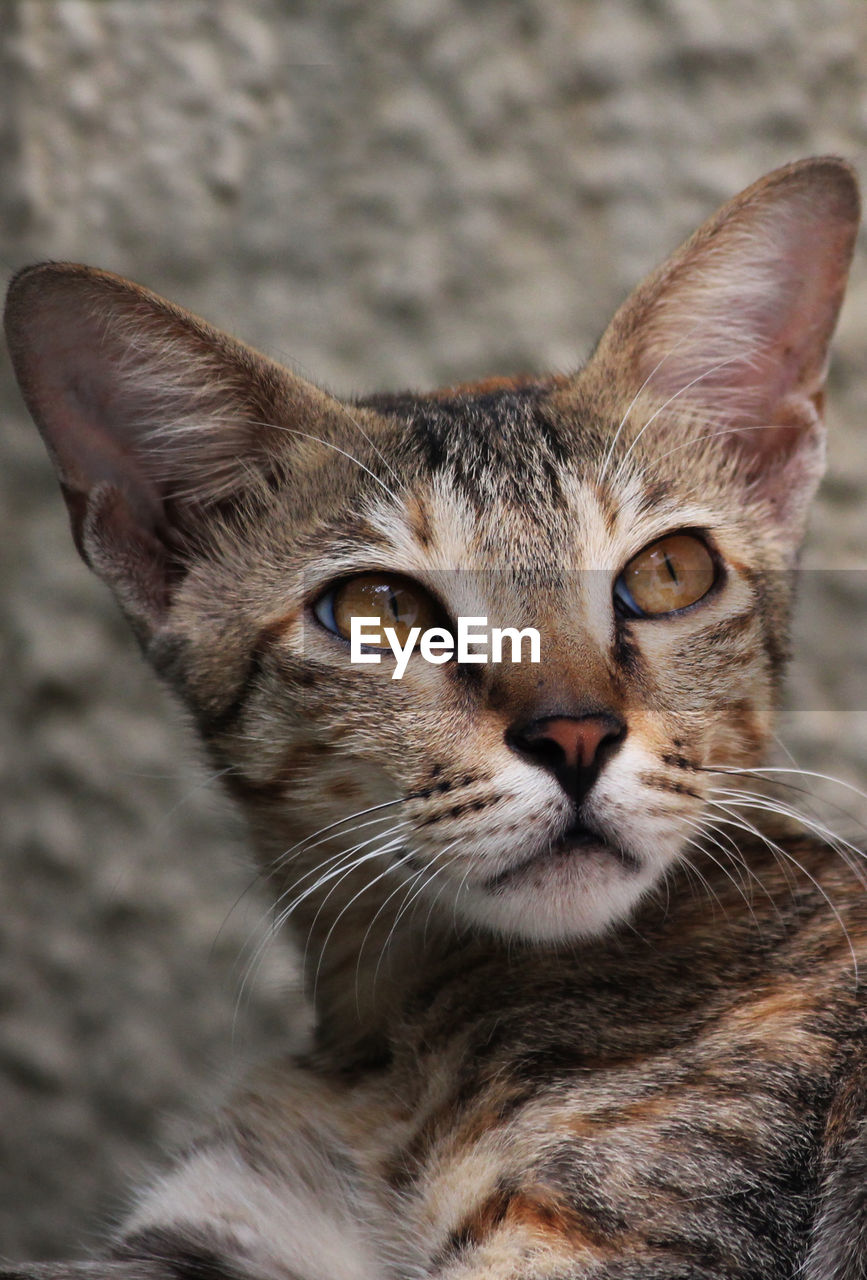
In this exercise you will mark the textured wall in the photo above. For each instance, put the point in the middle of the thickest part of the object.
(411, 191)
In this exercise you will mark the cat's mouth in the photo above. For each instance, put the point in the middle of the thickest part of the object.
(578, 838)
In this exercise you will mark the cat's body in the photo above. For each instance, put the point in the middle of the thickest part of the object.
(581, 1012)
(657, 1105)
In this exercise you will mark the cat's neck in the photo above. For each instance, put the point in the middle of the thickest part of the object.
(366, 946)
(370, 946)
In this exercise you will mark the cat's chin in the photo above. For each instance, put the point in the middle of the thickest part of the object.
(574, 888)
(578, 844)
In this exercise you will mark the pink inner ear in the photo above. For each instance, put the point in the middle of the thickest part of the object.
(75, 415)
(135, 562)
(740, 322)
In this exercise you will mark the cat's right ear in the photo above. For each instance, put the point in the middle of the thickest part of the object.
(150, 416)
(733, 332)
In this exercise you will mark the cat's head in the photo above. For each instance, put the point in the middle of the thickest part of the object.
(642, 515)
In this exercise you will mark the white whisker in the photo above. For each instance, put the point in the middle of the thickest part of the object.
(425, 878)
(293, 431)
(700, 377)
(741, 823)
(770, 804)
(368, 885)
(350, 417)
(606, 462)
(732, 854)
(771, 769)
(346, 861)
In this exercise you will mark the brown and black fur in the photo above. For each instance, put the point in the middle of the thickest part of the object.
(638, 1058)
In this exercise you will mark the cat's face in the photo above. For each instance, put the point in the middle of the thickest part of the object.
(643, 516)
(502, 505)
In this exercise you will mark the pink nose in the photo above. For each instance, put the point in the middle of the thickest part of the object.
(579, 740)
(571, 747)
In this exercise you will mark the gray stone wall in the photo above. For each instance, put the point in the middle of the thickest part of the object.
(401, 192)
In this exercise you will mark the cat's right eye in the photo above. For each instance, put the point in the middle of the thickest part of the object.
(394, 601)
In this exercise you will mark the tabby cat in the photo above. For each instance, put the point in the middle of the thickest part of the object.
(584, 1008)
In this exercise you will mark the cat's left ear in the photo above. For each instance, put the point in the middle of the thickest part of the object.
(152, 418)
(735, 328)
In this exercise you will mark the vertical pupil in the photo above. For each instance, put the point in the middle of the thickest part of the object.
(672, 572)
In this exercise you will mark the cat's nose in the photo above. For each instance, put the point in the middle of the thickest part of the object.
(572, 747)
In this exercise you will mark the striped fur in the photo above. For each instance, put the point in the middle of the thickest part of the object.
(637, 1058)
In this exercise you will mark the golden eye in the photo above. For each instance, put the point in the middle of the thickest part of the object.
(394, 601)
(666, 576)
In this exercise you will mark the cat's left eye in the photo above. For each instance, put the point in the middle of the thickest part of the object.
(392, 600)
(665, 577)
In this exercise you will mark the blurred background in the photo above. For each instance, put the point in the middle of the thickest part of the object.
(406, 192)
